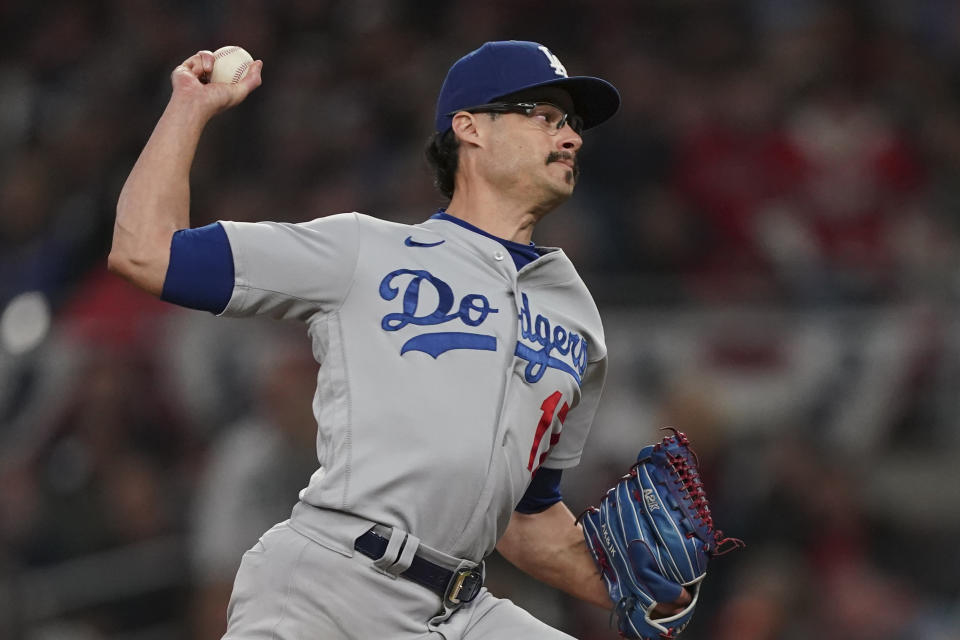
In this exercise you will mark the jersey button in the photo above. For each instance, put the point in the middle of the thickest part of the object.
(498, 256)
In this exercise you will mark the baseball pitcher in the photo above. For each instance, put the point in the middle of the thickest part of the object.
(460, 367)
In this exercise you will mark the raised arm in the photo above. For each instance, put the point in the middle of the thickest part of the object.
(155, 199)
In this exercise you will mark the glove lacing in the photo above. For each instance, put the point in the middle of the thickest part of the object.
(689, 480)
(625, 607)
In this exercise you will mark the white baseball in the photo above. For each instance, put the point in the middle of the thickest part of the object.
(230, 64)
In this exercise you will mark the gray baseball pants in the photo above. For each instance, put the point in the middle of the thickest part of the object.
(289, 587)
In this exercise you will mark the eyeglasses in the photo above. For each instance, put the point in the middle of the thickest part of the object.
(548, 116)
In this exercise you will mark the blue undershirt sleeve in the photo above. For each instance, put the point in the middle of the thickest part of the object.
(543, 492)
(200, 275)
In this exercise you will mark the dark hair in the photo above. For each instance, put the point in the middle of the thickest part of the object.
(442, 153)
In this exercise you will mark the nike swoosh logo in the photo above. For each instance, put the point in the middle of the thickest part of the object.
(410, 242)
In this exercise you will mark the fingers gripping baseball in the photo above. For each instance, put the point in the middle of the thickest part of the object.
(192, 70)
(190, 80)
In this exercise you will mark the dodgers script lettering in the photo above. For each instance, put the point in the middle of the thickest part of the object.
(550, 338)
(472, 311)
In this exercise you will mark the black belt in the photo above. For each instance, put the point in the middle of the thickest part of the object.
(454, 587)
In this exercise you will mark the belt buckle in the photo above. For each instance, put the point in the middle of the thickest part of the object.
(464, 587)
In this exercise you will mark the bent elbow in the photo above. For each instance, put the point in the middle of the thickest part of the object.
(142, 274)
(117, 263)
(124, 264)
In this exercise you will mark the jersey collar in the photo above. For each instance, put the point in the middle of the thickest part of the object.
(522, 254)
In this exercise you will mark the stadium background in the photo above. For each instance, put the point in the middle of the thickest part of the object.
(770, 227)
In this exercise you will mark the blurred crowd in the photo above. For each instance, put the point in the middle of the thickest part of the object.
(770, 225)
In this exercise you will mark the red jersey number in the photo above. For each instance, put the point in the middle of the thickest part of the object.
(549, 408)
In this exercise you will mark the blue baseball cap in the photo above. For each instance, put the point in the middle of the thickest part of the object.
(498, 69)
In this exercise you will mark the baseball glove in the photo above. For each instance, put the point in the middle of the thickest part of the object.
(652, 536)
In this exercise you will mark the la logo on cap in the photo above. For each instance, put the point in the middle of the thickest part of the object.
(554, 61)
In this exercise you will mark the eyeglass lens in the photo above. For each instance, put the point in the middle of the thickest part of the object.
(555, 117)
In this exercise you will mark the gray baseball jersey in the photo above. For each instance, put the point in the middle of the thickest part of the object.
(447, 377)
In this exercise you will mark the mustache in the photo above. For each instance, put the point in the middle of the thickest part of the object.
(556, 156)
